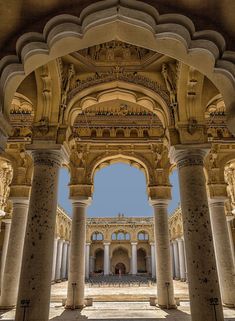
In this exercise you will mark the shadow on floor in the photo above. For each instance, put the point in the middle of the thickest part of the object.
(69, 315)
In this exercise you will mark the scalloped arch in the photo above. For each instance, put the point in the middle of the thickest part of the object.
(104, 161)
(127, 20)
(148, 99)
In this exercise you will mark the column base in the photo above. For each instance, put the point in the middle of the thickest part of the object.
(229, 305)
(75, 307)
(10, 307)
(167, 307)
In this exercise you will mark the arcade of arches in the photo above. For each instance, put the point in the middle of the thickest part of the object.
(156, 91)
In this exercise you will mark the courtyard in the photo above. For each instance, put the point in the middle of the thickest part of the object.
(119, 303)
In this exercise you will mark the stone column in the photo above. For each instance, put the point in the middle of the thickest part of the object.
(172, 259)
(231, 240)
(165, 290)
(134, 258)
(88, 260)
(68, 260)
(106, 258)
(64, 260)
(176, 260)
(92, 264)
(223, 251)
(11, 273)
(35, 278)
(59, 260)
(76, 278)
(181, 259)
(5, 245)
(201, 265)
(54, 258)
(153, 260)
(148, 264)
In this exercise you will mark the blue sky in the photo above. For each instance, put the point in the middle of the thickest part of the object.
(118, 188)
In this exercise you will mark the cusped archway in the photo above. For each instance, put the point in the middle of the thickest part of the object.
(132, 22)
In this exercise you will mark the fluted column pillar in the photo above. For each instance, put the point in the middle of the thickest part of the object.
(106, 258)
(76, 277)
(165, 290)
(223, 251)
(11, 273)
(64, 260)
(88, 260)
(153, 260)
(181, 259)
(134, 258)
(7, 223)
(201, 265)
(35, 278)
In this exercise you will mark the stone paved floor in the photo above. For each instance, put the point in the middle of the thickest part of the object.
(119, 311)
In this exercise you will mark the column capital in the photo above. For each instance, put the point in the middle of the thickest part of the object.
(7, 221)
(188, 155)
(159, 203)
(106, 243)
(179, 239)
(217, 201)
(134, 243)
(152, 243)
(80, 191)
(88, 243)
(50, 155)
(218, 191)
(80, 201)
(158, 192)
(24, 201)
(19, 192)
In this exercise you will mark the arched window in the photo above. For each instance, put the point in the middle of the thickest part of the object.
(106, 133)
(97, 236)
(120, 133)
(143, 236)
(93, 133)
(120, 236)
(134, 133)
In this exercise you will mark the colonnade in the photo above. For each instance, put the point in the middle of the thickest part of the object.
(39, 243)
(178, 259)
(90, 260)
(60, 260)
